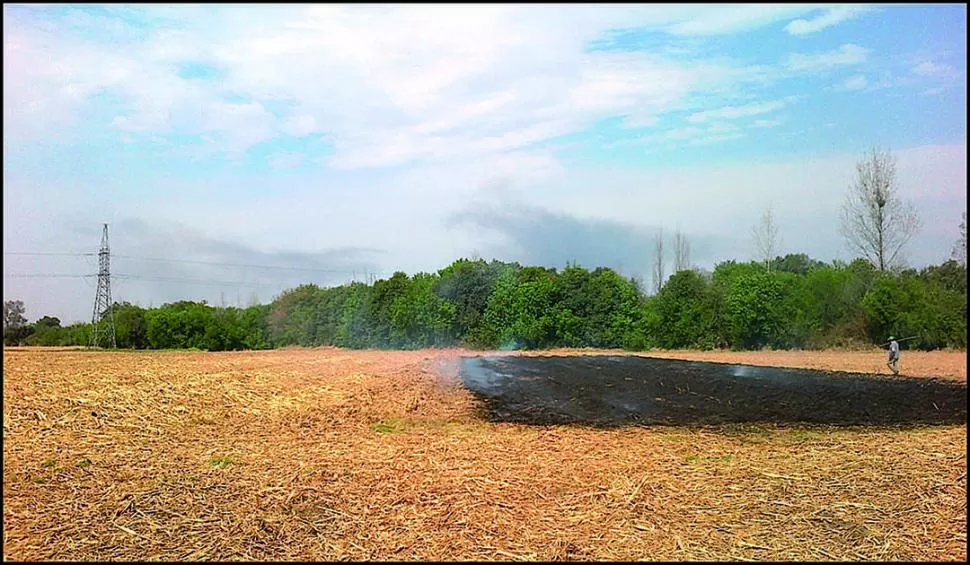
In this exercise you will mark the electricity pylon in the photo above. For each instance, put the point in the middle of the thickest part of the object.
(103, 319)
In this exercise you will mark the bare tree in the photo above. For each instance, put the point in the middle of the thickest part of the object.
(658, 261)
(681, 252)
(639, 283)
(875, 222)
(13, 314)
(960, 248)
(766, 237)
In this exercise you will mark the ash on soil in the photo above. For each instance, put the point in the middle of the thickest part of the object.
(612, 391)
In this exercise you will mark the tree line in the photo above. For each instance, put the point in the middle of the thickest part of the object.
(791, 301)
(799, 302)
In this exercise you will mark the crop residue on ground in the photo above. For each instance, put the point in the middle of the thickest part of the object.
(326, 454)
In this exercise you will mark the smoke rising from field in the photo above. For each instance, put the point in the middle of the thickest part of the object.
(538, 236)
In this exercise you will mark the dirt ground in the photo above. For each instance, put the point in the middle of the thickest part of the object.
(325, 454)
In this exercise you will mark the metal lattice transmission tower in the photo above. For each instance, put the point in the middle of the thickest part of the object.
(103, 319)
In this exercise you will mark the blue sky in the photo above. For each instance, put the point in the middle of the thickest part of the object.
(376, 138)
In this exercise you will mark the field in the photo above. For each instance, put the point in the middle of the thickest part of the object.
(326, 454)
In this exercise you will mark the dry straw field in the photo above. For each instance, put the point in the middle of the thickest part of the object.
(326, 454)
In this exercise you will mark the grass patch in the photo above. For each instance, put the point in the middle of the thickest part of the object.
(82, 463)
(804, 436)
(722, 459)
(221, 461)
(389, 427)
(457, 428)
(750, 433)
(49, 464)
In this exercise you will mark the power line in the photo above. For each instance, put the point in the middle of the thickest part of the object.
(194, 261)
(122, 276)
(125, 276)
(46, 253)
(341, 271)
(192, 281)
(46, 275)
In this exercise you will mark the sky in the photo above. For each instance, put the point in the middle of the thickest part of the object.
(239, 151)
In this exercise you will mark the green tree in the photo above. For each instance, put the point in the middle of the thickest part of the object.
(950, 275)
(756, 312)
(327, 314)
(468, 285)
(797, 263)
(353, 330)
(131, 326)
(289, 320)
(76, 334)
(381, 299)
(180, 325)
(46, 331)
(535, 320)
(494, 331)
(255, 327)
(684, 313)
(421, 318)
(519, 312)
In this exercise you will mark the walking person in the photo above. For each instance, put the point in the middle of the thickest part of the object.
(893, 355)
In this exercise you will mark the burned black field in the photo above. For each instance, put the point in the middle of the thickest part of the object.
(610, 391)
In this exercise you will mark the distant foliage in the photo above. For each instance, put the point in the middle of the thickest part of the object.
(683, 314)
(15, 328)
(799, 303)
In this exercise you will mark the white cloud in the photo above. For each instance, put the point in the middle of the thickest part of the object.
(691, 135)
(300, 126)
(44, 85)
(930, 75)
(933, 91)
(240, 125)
(885, 80)
(732, 112)
(830, 17)
(857, 82)
(682, 133)
(389, 85)
(767, 123)
(641, 121)
(847, 54)
(722, 128)
(931, 69)
(716, 138)
(737, 18)
(286, 160)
